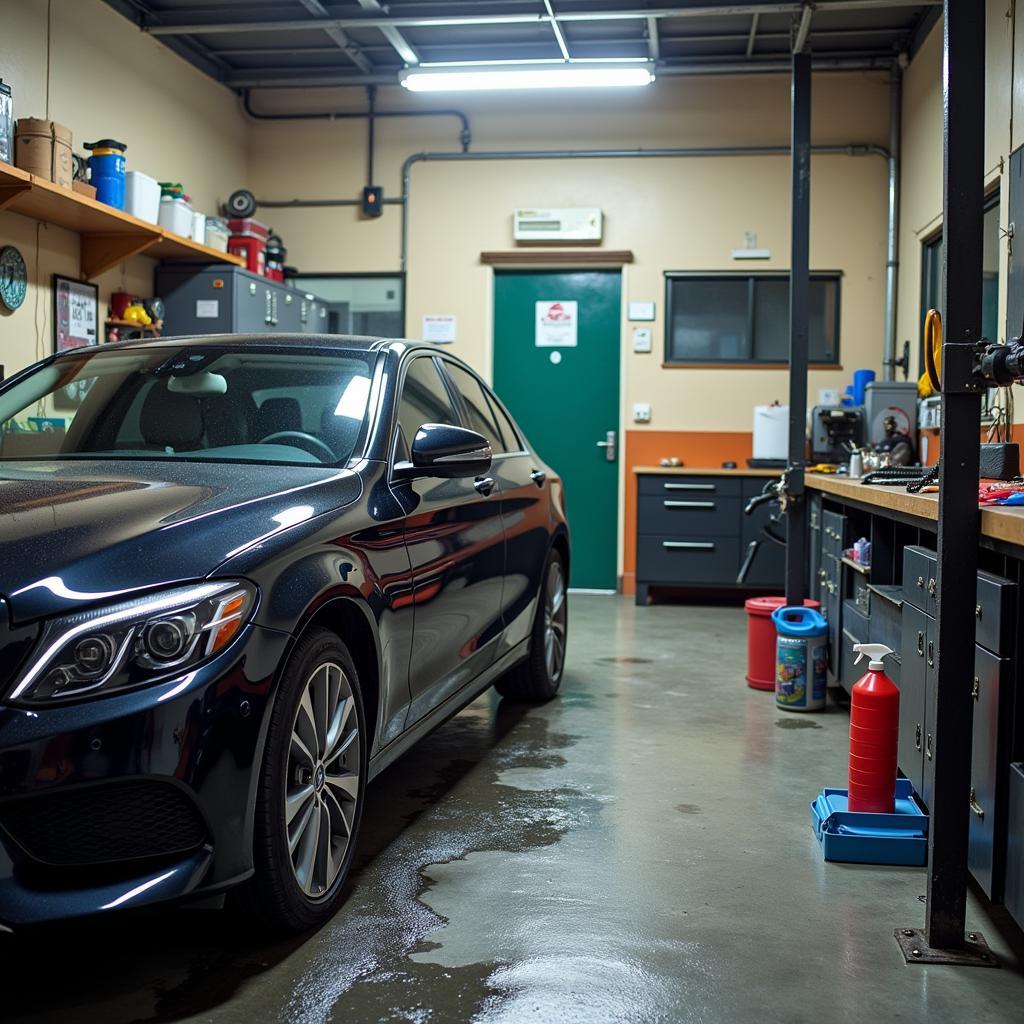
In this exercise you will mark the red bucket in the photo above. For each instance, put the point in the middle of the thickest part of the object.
(761, 638)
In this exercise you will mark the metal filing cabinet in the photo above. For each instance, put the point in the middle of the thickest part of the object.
(1013, 893)
(833, 543)
(228, 300)
(691, 531)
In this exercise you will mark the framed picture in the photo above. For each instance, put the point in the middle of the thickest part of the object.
(75, 323)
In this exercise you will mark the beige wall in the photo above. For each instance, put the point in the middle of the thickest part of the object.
(921, 191)
(107, 79)
(675, 214)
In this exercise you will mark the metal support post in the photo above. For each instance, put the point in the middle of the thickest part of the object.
(944, 939)
(799, 280)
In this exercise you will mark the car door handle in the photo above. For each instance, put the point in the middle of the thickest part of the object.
(538, 476)
(484, 485)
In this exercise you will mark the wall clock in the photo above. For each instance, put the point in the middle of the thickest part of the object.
(13, 278)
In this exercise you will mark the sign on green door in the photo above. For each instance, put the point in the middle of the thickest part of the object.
(556, 366)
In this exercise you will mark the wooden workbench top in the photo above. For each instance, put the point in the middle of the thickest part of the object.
(998, 522)
(710, 471)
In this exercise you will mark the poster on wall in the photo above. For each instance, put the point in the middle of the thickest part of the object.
(556, 324)
(75, 313)
(75, 323)
(439, 327)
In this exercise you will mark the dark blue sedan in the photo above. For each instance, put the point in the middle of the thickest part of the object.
(238, 577)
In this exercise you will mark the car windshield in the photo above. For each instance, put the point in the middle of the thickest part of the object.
(218, 402)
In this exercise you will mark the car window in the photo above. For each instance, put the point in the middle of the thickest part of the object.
(425, 399)
(508, 430)
(221, 402)
(478, 411)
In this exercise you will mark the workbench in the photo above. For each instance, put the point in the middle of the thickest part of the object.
(893, 601)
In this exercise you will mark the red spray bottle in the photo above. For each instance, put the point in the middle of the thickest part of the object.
(874, 735)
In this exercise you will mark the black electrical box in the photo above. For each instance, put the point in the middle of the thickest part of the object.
(373, 201)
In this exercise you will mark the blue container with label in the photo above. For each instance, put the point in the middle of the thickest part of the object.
(106, 171)
(801, 658)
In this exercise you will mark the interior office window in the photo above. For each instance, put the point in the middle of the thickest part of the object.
(371, 304)
(931, 275)
(741, 318)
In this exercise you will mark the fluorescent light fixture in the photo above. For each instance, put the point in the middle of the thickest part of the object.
(484, 77)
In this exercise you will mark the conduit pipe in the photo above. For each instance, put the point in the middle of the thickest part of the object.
(892, 247)
(851, 149)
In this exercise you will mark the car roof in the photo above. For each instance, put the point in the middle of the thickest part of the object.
(347, 342)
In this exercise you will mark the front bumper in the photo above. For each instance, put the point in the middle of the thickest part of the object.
(137, 797)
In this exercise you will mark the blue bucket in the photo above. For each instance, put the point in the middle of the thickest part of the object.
(106, 171)
(801, 658)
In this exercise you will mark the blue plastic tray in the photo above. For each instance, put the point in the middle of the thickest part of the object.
(857, 838)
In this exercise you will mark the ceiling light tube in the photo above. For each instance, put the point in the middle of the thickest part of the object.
(523, 76)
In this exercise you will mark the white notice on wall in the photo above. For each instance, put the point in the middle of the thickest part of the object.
(556, 324)
(207, 309)
(439, 327)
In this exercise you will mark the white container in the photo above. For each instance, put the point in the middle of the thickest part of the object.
(771, 431)
(176, 216)
(199, 227)
(217, 234)
(142, 196)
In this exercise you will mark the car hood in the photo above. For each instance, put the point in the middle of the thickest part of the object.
(74, 533)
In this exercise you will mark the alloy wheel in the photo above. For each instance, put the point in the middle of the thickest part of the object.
(554, 621)
(322, 781)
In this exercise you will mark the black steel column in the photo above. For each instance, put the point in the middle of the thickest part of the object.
(963, 215)
(799, 278)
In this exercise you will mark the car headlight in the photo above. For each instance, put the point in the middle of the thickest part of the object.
(125, 645)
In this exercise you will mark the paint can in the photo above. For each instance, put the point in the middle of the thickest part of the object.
(801, 659)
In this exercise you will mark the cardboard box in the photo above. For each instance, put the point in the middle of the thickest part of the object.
(43, 148)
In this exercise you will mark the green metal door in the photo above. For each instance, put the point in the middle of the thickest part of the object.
(556, 366)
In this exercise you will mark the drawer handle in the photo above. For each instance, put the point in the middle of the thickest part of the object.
(689, 487)
(931, 587)
(931, 654)
(690, 545)
(920, 644)
(928, 746)
(688, 504)
(917, 737)
(976, 688)
(977, 612)
(920, 582)
(975, 806)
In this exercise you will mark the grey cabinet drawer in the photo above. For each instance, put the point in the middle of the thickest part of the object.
(912, 693)
(849, 670)
(856, 621)
(689, 515)
(685, 486)
(988, 671)
(994, 613)
(669, 559)
(919, 569)
(1013, 894)
(833, 531)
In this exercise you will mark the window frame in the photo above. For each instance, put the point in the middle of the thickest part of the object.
(396, 419)
(751, 277)
(492, 400)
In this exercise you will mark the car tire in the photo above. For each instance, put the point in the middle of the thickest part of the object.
(539, 676)
(312, 781)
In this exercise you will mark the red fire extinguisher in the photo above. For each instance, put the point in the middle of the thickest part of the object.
(874, 735)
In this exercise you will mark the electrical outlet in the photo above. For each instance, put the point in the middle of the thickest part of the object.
(641, 412)
(641, 339)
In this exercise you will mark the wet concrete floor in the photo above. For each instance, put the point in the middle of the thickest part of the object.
(636, 851)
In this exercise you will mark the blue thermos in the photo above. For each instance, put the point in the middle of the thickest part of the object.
(106, 171)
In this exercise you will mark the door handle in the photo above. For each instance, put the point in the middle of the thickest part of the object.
(608, 444)
(484, 485)
(538, 476)
(689, 545)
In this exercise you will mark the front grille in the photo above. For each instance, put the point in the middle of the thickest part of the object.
(103, 824)
(14, 646)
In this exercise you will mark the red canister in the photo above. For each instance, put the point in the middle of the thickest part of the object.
(874, 735)
(761, 639)
(249, 240)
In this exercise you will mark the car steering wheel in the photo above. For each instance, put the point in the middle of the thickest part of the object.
(300, 435)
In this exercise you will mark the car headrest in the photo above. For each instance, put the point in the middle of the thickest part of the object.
(170, 419)
(227, 421)
(276, 414)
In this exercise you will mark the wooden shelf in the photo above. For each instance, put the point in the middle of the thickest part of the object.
(864, 570)
(109, 236)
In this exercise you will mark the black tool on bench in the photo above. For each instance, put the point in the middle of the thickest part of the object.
(770, 494)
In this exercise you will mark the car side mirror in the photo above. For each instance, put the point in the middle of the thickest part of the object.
(441, 450)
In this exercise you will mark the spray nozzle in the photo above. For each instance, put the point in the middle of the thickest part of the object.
(876, 652)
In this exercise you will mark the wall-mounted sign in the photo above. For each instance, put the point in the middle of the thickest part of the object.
(640, 311)
(439, 328)
(556, 324)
